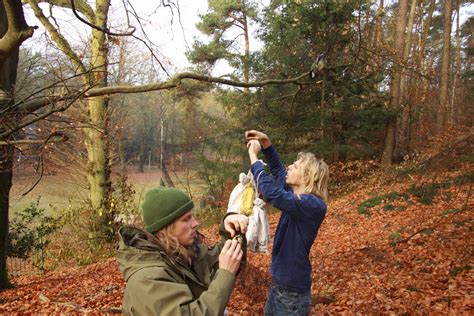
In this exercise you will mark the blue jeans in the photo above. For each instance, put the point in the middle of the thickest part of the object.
(284, 302)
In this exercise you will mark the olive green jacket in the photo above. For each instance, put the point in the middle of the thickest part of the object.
(160, 285)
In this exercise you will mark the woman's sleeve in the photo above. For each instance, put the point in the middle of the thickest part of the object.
(162, 295)
(285, 200)
(277, 169)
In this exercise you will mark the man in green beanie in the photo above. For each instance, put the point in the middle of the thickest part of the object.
(167, 271)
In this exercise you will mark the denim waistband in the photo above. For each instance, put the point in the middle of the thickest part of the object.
(290, 289)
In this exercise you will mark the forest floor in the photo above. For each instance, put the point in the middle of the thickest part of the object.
(396, 241)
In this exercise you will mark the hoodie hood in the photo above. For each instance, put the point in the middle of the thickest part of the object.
(137, 251)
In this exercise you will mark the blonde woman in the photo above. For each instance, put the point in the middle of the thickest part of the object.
(167, 271)
(300, 193)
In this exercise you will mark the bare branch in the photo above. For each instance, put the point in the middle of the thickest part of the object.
(176, 80)
(59, 39)
(81, 6)
(51, 139)
(135, 14)
(33, 105)
(105, 30)
(44, 115)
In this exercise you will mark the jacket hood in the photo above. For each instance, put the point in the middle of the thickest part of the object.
(136, 251)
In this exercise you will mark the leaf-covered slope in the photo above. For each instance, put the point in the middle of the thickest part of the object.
(403, 245)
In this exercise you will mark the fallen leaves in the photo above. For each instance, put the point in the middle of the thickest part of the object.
(356, 269)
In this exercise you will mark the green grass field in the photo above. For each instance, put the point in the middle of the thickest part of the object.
(59, 191)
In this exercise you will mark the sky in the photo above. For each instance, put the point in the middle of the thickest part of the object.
(164, 29)
(171, 35)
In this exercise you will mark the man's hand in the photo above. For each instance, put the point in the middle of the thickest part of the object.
(230, 256)
(236, 223)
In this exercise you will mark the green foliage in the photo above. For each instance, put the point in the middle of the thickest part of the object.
(395, 238)
(218, 168)
(467, 158)
(425, 193)
(412, 289)
(342, 114)
(209, 216)
(29, 234)
(464, 178)
(453, 272)
(427, 231)
(364, 207)
(448, 212)
(223, 19)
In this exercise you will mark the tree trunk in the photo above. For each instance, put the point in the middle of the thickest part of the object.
(404, 137)
(142, 156)
(8, 72)
(13, 32)
(457, 70)
(390, 131)
(378, 38)
(96, 137)
(444, 81)
(421, 52)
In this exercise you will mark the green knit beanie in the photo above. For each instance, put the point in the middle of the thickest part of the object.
(162, 206)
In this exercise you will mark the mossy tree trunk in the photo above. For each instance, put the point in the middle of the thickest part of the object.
(96, 135)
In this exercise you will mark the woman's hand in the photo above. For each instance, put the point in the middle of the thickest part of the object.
(236, 223)
(230, 256)
(254, 148)
(257, 135)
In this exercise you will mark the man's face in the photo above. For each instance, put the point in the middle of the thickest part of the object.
(185, 229)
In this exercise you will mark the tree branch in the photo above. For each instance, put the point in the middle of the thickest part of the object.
(18, 31)
(105, 30)
(176, 80)
(53, 138)
(33, 105)
(62, 43)
(81, 6)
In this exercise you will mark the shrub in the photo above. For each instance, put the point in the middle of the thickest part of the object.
(426, 193)
(29, 234)
(364, 207)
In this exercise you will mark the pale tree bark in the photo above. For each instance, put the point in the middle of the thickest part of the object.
(457, 71)
(390, 132)
(445, 61)
(246, 50)
(378, 36)
(13, 32)
(405, 132)
(376, 39)
(98, 170)
(96, 142)
(426, 25)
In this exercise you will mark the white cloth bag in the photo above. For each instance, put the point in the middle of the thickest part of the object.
(258, 232)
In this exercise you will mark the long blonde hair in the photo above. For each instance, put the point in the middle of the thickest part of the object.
(170, 244)
(317, 174)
